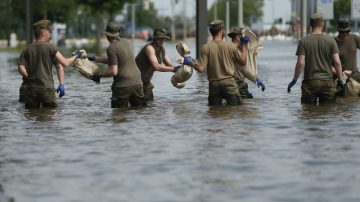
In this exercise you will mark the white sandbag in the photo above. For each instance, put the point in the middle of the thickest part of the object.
(183, 49)
(352, 87)
(85, 66)
(250, 70)
(185, 71)
(182, 74)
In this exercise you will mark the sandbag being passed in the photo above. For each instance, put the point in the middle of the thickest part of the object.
(84, 66)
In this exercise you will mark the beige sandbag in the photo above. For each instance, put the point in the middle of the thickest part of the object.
(250, 70)
(185, 71)
(182, 74)
(85, 66)
(352, 87)
(183, 49)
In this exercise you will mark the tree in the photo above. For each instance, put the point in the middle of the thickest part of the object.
(342, 8)
(252, 11)
(101, 9)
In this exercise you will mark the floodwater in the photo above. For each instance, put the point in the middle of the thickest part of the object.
(178, 148)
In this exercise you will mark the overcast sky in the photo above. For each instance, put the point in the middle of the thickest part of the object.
(272, 8)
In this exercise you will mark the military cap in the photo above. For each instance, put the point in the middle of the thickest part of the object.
(344, 24)
(160, 33)
(317, 17)
(42, 24)
(216, 24)
(235, 31)
(112, 29)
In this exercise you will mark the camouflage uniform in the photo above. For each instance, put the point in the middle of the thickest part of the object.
(145, 66)
(38, 59)
(127, 85)
(318, 50)
(220, 58)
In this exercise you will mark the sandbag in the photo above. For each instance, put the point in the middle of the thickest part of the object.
(183, 49)
(182, 74)
(84, 66)
(250, 70)
(185, 71)
(352, 87)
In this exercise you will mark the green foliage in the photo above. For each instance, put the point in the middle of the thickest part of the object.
(252, 11)
(342, 8)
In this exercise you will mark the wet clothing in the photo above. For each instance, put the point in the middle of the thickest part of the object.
(38, 59)
(146, 68)
(127, 83)
(148, 91)
(243, 89)
(318, 50)
(22, 92)
(224, 89)
(314, 89)
(122, 96)
(242, 85)
(220, 58)
(347, 52)
(36, 97)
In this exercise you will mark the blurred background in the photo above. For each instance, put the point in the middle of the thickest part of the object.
(79, 23)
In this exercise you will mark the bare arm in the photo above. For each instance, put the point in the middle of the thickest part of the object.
(112, 71)
(22, 71)
(60, 73)
(150, 52)
(64, 61)
(337, 65)
(299, 67)
(197, 66)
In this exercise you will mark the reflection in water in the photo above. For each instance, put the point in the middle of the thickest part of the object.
(41, 114)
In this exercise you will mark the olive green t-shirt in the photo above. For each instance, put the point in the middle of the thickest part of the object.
(318, 50)
(38, 58)
(144, 64)
(120, 54)
(347, 52)
(219, 57)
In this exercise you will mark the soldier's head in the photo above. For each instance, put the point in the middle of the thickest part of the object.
(112, 31)
(159, 36)
(317, 20)
(236, 33)
(42, 28)
(216, 26)
(344, 25)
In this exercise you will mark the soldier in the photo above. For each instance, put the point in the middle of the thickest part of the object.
(220, 57)
(235, 36)
(348, 45)
(127, 86)
(35, 65)
(151, 58)
(316, 53)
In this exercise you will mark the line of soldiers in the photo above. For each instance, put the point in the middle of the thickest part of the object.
(132, 75)
(318, 55)
(322, 58)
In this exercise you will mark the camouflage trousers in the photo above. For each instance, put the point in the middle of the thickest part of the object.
(148, 92)
(224, 89)
(322, 91)
(122, 96)
(36, 97)
(22, 92)
(243, 89)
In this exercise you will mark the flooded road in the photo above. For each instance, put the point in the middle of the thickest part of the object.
(271, 148)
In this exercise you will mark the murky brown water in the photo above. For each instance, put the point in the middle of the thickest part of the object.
(178, 149)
